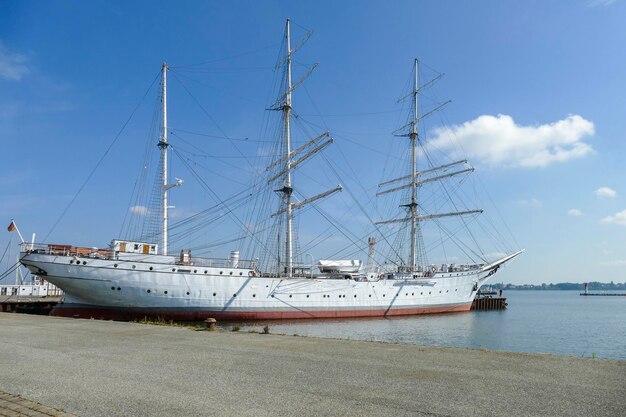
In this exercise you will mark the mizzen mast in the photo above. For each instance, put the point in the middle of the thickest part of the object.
(163, 145)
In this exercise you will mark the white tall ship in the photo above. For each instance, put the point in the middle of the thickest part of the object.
(135, 279)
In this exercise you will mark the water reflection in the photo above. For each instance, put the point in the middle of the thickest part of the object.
(559, 322)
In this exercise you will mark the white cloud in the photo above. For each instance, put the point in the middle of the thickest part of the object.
(532, 203)
(617, 218)
(13, 66)
(140, 210)
(614, 263)
(574, 212)
(605, 192)
(499, 141)
(599, 3)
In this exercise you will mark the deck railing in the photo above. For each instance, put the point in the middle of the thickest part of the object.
(82, 252)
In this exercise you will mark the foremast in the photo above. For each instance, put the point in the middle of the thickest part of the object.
(414, 217)
(413, 204)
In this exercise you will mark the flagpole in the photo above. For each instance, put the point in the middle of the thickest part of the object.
(17, 230)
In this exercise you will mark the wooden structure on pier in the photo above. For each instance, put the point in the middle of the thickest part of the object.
(28, 305)
(489, 303)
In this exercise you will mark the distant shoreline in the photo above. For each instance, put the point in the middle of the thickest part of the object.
(563, 286)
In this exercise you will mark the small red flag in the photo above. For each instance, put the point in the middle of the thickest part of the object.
(11, 226)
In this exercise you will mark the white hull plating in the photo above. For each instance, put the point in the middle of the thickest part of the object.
(128, 289)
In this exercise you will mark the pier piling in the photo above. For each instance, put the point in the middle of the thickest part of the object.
(489, 303)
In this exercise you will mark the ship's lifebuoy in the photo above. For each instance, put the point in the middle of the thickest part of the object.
(252, 274)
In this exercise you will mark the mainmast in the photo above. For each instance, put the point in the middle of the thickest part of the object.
(287, 189)
(291, 159)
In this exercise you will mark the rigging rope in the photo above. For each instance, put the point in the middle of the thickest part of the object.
(106, 152)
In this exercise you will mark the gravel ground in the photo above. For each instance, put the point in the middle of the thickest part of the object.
(101, 368)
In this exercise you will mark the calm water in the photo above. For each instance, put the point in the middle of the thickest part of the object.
(559, 322)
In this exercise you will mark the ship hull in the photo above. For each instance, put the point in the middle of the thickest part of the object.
(134, 289)
(196, 314)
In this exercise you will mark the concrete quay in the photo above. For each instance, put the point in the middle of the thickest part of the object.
(101, 368)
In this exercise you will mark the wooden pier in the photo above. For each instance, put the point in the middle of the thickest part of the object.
(28, 305)
(489, 303)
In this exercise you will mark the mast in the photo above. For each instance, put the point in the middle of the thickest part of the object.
(291, 159)
(163, 146)
(419, 178)
(413, 204)
(287, 188)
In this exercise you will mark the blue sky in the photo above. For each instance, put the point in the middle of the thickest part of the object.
(543, 81)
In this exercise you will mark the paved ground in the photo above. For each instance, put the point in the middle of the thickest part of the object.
(99, 368)
(14, 405)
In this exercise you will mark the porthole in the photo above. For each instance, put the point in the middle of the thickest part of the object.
(354, 295)
(421, 293)
(290, 296)
(187, 292)
(456, 289)
(428, 292)
(173, 269)
(84, 262)
(119, 289)
(241, 273)
(71, 261)
(439, 292)
(164, 292)
(339, 295)
(115, 265)
(412, 293)
(370, 296)
(272, 295)
(231, 272)
(214, 294)
(206, 272)
(113, 288)
(234, 295)
(253, 295)
(195, 270)
(407, 294)
(221, 272)
(134, 267)
(148, 291)
(446, 290)
(384, 295)
(307, 296)
(151, 268)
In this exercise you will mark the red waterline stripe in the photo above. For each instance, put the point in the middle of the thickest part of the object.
(191, 315)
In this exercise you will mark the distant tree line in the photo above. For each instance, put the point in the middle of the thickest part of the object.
(593, 286)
